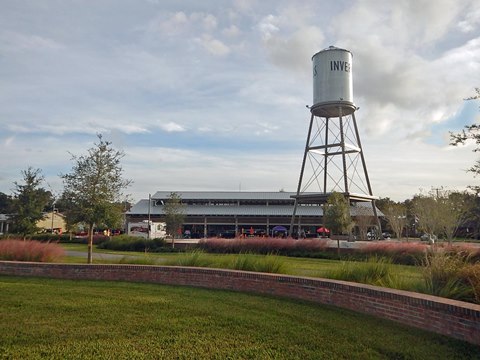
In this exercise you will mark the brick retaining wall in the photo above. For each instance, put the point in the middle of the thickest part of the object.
(457, 319)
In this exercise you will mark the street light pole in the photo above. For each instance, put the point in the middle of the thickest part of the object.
(53, 214)
(149, 212)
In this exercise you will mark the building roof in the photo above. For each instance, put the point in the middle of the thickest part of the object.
(141, 208)
(225, 195)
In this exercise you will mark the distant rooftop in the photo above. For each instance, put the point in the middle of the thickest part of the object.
(225, 195)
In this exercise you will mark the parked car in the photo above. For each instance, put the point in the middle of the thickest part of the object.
(228, 234)
(260, 232)
(431, 238)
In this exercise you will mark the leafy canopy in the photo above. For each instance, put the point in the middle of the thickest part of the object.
(93, 189)
(470, 132)
(29, 201)
(95, 184)
(174, 214)
(337, 214)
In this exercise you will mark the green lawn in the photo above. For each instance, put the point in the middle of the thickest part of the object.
(411, 275)
(58, 319)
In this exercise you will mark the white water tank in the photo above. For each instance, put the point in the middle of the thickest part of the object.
(332, 83)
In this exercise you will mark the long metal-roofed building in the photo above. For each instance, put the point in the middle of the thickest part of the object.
(216, 213)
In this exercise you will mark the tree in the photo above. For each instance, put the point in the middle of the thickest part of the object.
(174, 215)
(441, 212)
(470, 132)
(29, 202)
(396, 215)
(364, 220)
(5, 203)
(336, 216)
(93, 188)
(454, 209)
(68, 209)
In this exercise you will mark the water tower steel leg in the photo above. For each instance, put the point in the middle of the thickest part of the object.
(325, 164)
(299, 187)
(364, 164)
(344, 160)
(361, 155)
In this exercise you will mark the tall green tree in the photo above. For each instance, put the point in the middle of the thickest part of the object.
(5, 203)
(29, 202)
(68, 210)
(94, 188)
(336, 216)
(174, 211)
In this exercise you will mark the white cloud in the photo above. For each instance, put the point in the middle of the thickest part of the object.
(209, 22)
(212, 45)
(13, 41)
(172, 127)
(471, 20)
(236, 78)
(294, 51)
(268, 26)
(231, 31)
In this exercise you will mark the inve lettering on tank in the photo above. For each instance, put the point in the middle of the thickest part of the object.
(338, 65)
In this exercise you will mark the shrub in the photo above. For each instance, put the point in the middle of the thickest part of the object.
(51, 237)
(19, 250)
(133, 243)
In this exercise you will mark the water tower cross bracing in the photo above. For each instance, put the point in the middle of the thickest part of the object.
(333, 160)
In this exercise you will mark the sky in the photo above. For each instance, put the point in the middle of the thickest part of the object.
(212, 95)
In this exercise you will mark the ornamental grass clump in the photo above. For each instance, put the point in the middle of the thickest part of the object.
(19, 250)
(470, 274)
(196, 258)
(442, 275)
(398, 253)
(262, 245)
(271, 264)
(245, 262)
(375, 271)
(470, 253)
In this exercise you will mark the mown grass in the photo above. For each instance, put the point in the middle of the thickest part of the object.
(410, 276)
(59, 319)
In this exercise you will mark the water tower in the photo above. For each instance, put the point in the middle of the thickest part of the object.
(333, 160)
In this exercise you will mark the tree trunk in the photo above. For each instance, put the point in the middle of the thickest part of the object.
(90, 243)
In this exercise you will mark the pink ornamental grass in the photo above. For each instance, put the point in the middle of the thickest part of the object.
(262, 245)
(470, 252)
(399, 252)
(19, 250)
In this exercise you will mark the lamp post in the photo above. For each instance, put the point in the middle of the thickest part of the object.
(149, 215)
(53, 214)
